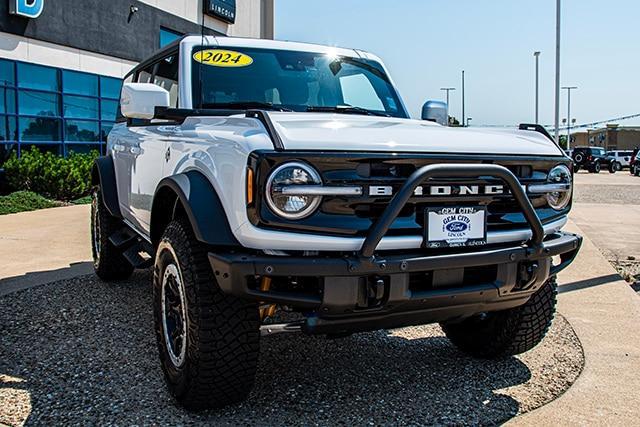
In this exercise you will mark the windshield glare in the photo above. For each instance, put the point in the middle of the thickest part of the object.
(292, 80)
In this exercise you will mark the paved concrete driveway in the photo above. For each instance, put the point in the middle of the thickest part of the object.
(44, 246)
(607, 209)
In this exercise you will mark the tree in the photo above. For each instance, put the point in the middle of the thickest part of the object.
(563, 142)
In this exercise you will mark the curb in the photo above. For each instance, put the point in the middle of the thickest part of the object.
(604, 312)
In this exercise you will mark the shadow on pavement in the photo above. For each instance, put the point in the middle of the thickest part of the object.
(84, 351)
(29, 280)
(588, 283)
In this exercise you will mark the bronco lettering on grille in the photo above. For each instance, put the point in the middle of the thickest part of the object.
(441, 190)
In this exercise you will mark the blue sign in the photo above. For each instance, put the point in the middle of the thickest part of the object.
(26, 8)
(221, 9)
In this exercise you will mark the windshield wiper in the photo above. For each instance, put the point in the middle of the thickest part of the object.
(247, 105)
(346, 109)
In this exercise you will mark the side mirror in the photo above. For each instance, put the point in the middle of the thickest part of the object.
(436, 111)
(139, 100)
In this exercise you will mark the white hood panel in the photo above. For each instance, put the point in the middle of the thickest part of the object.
(322, 131)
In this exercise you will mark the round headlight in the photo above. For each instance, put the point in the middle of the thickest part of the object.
(559, 200)
(292, 206)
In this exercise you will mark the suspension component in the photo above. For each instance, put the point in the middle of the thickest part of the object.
(266, 310)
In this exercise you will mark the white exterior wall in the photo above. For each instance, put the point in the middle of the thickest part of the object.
(250, 19)
(40, 52)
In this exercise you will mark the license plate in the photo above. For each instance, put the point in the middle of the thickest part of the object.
(456, 226)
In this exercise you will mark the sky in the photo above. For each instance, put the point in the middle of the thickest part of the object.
(426, 44)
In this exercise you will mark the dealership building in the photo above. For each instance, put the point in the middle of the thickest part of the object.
(62, 61)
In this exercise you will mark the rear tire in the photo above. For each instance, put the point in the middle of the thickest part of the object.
(507, 332)
(108, 262)
(208, 341)
(595, 168)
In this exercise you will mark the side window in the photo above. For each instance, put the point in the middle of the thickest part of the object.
(166, 76)
(145, 76)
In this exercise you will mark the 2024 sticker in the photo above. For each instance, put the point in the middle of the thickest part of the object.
(222, 58)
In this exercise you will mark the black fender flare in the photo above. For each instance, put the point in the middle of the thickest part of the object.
(202, 206)
(103, 175)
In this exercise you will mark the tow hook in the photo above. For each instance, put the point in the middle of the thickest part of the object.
(527, 275)
(371, 293)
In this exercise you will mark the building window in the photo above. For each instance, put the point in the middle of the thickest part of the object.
(168, 36)
(54, 109)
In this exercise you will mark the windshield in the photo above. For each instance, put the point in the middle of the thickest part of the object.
(291, 80)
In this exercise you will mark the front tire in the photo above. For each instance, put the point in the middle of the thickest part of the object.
(507, 332)
(596, 168)
(615, 167)
(108, 262)
(208, 341)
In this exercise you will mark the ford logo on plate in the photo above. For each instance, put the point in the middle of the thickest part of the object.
(457, 226)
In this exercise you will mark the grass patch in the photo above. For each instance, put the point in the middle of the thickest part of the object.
(86, 200)
(24, 201)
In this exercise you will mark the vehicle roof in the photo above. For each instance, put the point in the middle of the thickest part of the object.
(237, 42)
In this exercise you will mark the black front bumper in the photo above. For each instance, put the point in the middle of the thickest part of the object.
(341, 305)
(370, 290)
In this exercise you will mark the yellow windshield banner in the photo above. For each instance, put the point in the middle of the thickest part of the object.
(222, 58)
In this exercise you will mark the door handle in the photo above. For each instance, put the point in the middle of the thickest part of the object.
(119, 148)
(135, 150)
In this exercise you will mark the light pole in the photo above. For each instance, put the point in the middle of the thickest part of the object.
(463, 119)
(557, 112)
(448, 89)
(569, 89)
(537, 56)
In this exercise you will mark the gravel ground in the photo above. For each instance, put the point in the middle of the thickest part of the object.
(629, 270)
(608, 194)
(83, 352)
(619, 188)
(616, 190)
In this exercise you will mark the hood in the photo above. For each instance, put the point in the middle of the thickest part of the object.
(326, 131)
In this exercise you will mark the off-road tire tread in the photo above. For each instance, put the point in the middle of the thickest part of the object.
(223, 331)
(112, 265)
(513, 331)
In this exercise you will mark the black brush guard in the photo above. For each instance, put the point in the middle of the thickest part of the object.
(338, 305)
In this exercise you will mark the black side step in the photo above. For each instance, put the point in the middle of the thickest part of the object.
(132, 247)
(123, 238)
(136, 259)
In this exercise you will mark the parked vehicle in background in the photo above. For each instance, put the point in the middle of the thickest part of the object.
(634, 167)
(593, 159)
(622, 157)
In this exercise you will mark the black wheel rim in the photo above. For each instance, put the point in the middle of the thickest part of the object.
(174, 322)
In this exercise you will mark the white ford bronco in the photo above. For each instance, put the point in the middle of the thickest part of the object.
(268, 180)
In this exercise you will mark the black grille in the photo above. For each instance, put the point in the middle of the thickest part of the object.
(353, 216)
